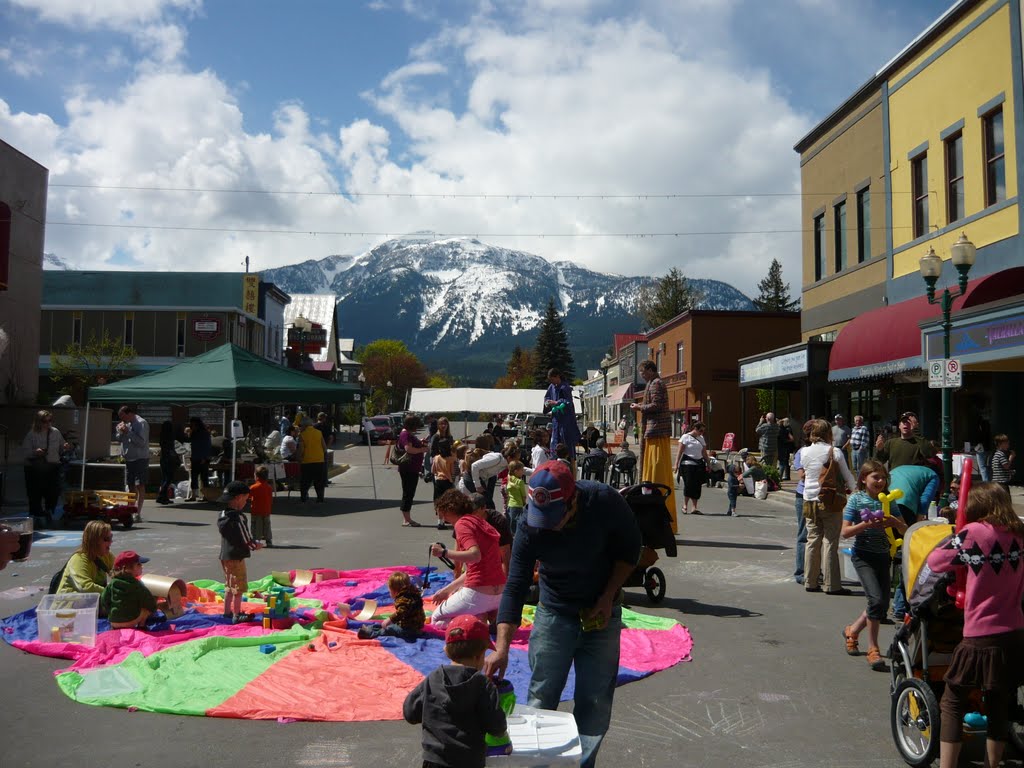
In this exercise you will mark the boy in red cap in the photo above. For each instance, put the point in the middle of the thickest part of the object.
(125, 599)
(456, 704)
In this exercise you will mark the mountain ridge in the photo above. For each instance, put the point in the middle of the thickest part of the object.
(462, 305)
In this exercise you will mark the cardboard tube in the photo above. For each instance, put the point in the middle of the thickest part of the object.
(369, 608)
(169, 589)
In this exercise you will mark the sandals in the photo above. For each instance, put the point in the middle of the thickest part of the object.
(875, 660)
(410, 524)
(851, 642)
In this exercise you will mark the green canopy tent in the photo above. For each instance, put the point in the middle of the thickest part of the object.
(227, 374)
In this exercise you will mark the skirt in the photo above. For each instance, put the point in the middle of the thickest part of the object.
(992, 663)
(657, 468)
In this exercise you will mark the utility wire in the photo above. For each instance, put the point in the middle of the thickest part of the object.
(454, 195)
(438, 235)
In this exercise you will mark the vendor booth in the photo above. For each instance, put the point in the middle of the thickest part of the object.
(466, 400)
(225, 376)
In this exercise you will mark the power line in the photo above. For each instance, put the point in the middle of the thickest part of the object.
(454, 195)
(440, 235)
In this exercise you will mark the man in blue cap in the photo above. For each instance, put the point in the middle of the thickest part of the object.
(586, 539)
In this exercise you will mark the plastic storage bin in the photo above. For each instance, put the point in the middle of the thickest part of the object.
(68, 618)
(540, 738)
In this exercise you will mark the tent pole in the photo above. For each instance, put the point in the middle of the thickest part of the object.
(369, 452)
(85, 447)
(234, 444)
(465, 424)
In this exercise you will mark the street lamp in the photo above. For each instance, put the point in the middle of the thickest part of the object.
(605, 364)
(962, 255)
(390, 401)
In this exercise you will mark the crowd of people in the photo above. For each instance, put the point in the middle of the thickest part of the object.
(571, 542)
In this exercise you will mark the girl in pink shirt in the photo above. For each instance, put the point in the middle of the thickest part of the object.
(991, 655)
(476, 592)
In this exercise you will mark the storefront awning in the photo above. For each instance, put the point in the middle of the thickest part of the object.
(887, 340)
(619, 395)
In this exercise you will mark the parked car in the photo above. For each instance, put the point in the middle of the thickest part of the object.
(377, 427)
(538, 421)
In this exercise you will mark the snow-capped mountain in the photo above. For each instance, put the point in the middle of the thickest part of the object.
(462, 305)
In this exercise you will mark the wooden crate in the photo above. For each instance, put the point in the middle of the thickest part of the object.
(91, 498)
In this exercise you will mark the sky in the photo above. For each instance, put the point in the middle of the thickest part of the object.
(625, 137)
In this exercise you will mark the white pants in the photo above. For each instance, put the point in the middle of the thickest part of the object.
(465, 601)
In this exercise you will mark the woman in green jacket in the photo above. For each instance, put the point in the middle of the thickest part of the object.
(88, 568)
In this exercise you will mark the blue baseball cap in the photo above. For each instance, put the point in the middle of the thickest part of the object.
(551, 486)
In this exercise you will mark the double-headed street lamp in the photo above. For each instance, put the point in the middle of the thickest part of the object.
(962, 255)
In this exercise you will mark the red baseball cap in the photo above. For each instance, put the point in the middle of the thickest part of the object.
(128, 558)
(551, 486)
(468, 628)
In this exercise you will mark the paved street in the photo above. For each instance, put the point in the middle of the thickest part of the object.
(769, 684)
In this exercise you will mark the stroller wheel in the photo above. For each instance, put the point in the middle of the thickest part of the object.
(654, 584)
(915, 722)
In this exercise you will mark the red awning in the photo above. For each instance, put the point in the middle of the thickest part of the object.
(887, 340)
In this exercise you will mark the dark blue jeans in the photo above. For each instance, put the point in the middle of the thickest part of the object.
(557, 642)
(801, 540)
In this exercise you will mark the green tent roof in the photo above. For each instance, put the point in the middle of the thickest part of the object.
(227, 374)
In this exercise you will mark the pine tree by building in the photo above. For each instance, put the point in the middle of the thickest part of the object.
(552, 350)
(669, 298)
(775, 293)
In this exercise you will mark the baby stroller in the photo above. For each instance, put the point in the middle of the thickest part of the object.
(922, 649)
(647, 500)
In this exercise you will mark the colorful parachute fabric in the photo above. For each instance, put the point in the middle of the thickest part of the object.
(200, 664)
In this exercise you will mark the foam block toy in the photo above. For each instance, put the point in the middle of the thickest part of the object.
(268, 648)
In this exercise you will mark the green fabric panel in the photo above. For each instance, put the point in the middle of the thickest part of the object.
(227, 374)
(260, 585)
(157, 675)
(634, 620)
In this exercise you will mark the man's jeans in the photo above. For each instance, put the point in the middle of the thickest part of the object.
(982, 457)
(556, 642)
(801, 539)
(860, 455)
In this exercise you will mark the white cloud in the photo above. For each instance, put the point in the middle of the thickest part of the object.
(116, 14)
(561, 99)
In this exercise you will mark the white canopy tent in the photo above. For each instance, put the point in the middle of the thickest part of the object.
(479, 400)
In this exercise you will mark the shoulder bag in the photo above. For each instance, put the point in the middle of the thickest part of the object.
(828, 482)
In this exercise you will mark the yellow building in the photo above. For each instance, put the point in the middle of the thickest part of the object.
(929, 148)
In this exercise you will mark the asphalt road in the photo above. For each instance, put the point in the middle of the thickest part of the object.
(769, 685)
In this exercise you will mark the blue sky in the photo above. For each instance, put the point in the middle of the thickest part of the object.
(421, 99)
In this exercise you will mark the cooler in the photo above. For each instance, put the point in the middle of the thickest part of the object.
(68, 618)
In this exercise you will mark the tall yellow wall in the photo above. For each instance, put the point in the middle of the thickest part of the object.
(975, 70)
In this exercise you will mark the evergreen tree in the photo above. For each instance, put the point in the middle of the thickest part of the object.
(552, 350)
(775, 293)
(518, 372)
(669, 298)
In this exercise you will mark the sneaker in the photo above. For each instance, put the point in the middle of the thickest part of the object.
(840, 591)
(875, 660)
(440, 526)
(241, 618)
(729, 513)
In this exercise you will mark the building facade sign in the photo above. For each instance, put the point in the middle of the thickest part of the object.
(251, 294)
(791, 364)
(206, 328)
(627, 363)
(312, 337)
(979, 337)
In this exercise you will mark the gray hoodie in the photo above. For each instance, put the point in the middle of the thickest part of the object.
(457, 706)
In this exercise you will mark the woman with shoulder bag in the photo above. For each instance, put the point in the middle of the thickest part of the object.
(409, 469)
(823, 508)
(42, 447)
